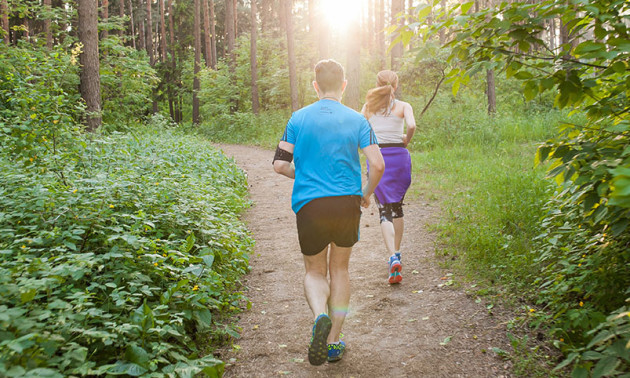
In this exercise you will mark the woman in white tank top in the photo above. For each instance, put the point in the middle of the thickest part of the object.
(388, 117)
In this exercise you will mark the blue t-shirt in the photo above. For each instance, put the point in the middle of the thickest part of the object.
(327, 137)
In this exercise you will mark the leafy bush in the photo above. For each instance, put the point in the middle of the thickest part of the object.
(121, 260)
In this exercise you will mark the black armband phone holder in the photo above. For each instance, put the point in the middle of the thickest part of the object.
(282, 155)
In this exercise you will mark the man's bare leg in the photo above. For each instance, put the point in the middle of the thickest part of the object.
(316, 287)
(339, 289)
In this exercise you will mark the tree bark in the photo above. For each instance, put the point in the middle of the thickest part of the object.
(229, 32)
(142, 39)
(213, 36)
(380, 35)
(207, 34)
(397, 50)
(264, 16)
(288, 10)
(133, 27)
(172, 103)
(4, 19)
(162, 30)
(323, 32)
(353, 63)
(492, 97)
(121, 13)
(47, 31)
(90, 82)
(253, 63)
(196, 84)
(104, 17)
(149, 31)
(235, 18)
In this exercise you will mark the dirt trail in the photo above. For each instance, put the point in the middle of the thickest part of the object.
(390, 331)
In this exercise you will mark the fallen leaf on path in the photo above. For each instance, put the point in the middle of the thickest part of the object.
(299, 360)
(284, 372)
(425, 318)
(282, 345)
(369, 296)
(414, 272)
(446, 340)
(255, 326)
(417, 291)
(412, 320)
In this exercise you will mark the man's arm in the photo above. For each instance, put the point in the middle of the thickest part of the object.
(377, 167)
(284, 167)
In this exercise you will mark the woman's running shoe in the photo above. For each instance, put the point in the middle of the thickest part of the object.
(395, 267)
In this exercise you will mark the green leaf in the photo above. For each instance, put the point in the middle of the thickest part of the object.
(137, 355)
(27, 296)
(466, 7)
(129, 368)
(424, 12)
(605, 366)
(208, 260)
(204, 317)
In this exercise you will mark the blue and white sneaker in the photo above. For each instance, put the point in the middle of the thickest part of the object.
(335, 351)
(318, 350)
(395, 267)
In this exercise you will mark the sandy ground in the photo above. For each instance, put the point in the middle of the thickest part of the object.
(419, 328)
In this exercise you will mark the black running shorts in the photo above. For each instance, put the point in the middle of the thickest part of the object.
(326, 220)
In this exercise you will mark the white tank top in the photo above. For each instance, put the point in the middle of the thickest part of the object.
(387, 126)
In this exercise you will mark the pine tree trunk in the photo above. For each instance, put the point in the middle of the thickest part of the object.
(172, 103)
(4, 19)
(133, 27)
(104, 17)
(90, 81)
(163, 30)
(491, 91)
(207, 34)
(353, 63)
(196, 84)
(141, 33)
(253, 57)
(149, 31)
(235, 18)
(229, 32)
(380, 35)
(47, 31)
(264, 16)
(121, 14)
(213, 37)
(288, 10)
(323, 31)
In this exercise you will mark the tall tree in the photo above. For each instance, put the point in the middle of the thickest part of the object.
(213, 36)
(353, 63)
(162, 30)
(264, 16)
(229, 31)
(149, 33)
(121, 14)
(323, 31)
(253, 57)
(141, 32)
(207, 33)
(172, 103)
(370, 27)
(90, 81)
(287, 9)
(104, 17)
(397, 50)
(132, 24)
(4, 20)
(380, 34)
(196, 84)
(47, 31)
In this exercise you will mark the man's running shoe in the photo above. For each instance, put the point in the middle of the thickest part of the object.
(394, 270)
(318, 349)
(335, 351)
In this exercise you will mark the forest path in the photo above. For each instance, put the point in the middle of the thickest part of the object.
(391, 330)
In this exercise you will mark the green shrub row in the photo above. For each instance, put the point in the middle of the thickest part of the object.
(124, 257)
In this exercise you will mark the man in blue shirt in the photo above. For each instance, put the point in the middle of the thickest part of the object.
(324, 139)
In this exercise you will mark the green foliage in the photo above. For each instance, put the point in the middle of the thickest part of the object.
(583, 247)
(38, 106)
(127, 81)
(120, 261)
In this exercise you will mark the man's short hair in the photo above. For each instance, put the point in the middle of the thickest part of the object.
(329, 75)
